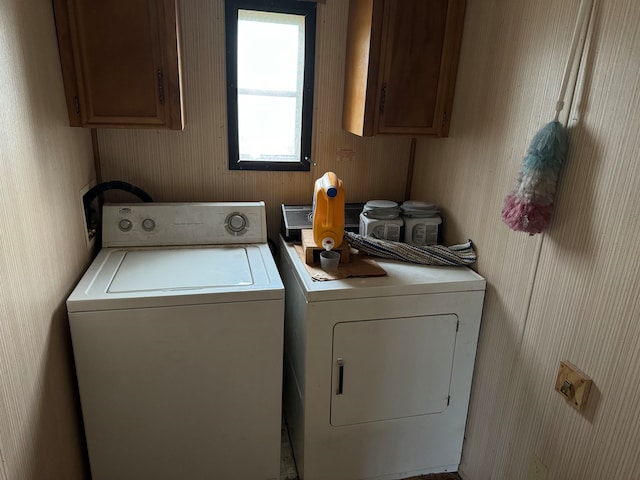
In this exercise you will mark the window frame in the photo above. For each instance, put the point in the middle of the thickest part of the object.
(296, 7)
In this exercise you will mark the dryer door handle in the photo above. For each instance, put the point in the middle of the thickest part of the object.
(340, 363)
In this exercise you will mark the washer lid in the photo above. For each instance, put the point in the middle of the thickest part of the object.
(139, 277)
(183, 269)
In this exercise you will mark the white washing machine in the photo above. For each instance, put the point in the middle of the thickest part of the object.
(177, 331)
(378, 370)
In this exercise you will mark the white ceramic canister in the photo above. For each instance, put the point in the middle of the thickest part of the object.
(381, 219)
(421, 223)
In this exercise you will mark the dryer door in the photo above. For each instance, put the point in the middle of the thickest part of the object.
(392, 368)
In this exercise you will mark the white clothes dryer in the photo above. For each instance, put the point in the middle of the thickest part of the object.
(378, 370)
(177, 332)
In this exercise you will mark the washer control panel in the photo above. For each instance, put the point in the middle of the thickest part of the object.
(157, 224)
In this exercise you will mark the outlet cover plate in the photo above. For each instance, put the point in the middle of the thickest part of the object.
(573, 385)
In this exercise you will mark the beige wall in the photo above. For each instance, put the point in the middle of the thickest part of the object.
(43, 165)
(192, 165)
(572, 293)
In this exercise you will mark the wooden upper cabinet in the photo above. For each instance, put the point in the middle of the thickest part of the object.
(401, 65)
(120, 62)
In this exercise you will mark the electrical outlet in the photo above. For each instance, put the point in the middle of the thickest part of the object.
(536, 470)
(90, 230)
(573, 384)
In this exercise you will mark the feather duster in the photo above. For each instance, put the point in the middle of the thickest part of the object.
(529, 207)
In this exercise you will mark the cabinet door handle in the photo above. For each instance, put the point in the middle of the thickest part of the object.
(160, 78)
(340, 363)
(383, 97)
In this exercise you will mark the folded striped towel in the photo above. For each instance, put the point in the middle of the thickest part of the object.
(454, 256)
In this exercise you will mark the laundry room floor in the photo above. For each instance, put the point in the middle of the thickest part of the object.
(288, 465)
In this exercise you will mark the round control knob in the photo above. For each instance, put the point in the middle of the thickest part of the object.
(125, 225)
(148, 224)
(236, 223)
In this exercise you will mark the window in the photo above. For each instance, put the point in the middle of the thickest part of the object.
(270, 61)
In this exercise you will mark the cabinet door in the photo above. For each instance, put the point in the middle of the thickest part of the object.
(420, 46)
(401, 65)
(120, 62)
(393, 368)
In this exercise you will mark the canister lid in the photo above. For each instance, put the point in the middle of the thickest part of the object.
(381, 209)
(413, 208)
(380, 204)
(420, 205)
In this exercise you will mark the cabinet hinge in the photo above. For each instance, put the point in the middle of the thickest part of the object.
(76, 101)
(383, 97)
(160, 86)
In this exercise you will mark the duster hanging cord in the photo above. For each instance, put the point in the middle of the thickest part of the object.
(529, 208)
(579, 34)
